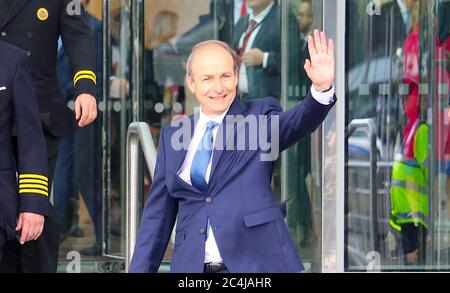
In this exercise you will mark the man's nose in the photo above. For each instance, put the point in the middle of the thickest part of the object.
(218, 87)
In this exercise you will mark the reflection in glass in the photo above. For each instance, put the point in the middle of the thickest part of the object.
(394, 80)
(257, 42)
(77, 182)
(301, 174)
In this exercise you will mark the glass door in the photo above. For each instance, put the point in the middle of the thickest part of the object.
(143, 48)
(301, 164)
(397, 135)
(170, 29)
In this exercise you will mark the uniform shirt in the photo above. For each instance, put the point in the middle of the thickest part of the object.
(212, 253)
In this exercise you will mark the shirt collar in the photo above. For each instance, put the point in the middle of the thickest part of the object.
(203, 118)
(260, 17)
(402, 7)
(304, 36)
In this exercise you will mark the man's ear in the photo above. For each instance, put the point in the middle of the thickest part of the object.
(190, 83)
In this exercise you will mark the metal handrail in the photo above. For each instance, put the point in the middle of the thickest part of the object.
(138, 134)
(369, 124)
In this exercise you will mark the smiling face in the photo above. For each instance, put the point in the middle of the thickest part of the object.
(212, 78)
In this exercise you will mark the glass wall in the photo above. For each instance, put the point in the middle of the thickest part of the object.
(78, 185)
(397, 148)
(171, 28)
(301, 174)
(90, 183)
(397, 151)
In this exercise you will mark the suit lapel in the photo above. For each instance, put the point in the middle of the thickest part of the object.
(16, 6)
(241, 27)
(226, 129)
(266, 22)
(235, 109)
(181, 154)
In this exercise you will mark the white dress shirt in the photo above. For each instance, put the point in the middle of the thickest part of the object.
(212, 253)
(243, 82)
(237, 10)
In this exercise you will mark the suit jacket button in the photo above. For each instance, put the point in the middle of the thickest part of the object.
(202, 231)
(208, 199)
(29, 35)
(3, 34)
(28, 53)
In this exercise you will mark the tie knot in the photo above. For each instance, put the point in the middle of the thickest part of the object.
(252, 25)
(210, 125)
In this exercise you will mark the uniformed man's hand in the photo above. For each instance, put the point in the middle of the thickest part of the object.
(85, 109)
(31, 226)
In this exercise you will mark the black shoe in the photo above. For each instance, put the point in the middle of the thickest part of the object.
(95, 249)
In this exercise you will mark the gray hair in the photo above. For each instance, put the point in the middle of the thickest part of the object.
(210, 42)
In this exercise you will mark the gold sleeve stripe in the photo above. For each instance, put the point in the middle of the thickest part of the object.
(33, 176)
(84, 76)
(21, 186)
(84, 72)
(33, 191)
(22, 181)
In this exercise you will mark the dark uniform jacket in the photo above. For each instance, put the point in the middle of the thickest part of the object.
(35, 26)
(18, 109)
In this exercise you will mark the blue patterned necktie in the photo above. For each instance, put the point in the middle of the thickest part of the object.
(202, 157)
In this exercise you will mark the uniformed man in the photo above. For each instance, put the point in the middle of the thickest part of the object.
(22, 211)
(35, 26)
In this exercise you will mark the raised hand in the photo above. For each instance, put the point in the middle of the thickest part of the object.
(320, 69)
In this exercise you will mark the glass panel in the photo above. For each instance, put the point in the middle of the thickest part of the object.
(397, 79)
(89, 164)
(77, 181)
(171, 29)
(301, 175)
(120, 115)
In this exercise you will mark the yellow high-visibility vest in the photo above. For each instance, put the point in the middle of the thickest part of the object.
(409, 185)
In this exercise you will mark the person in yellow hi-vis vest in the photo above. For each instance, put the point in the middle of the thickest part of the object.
(409, 197)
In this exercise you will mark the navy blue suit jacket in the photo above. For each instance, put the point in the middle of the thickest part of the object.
(247, 222)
